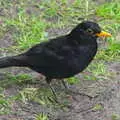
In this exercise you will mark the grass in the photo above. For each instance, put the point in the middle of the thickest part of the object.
(97, 107)
(29, 28)
(7, 102)
(28, 90)
(115, 116)
(4, 104)
(12, 79)
(72, 80)
(41, 117)
(109, 10)
(97, 71)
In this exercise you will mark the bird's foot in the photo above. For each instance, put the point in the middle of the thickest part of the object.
(53, 100)
(54, 93)
(65, 84)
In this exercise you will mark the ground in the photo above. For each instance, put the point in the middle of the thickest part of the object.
(25, 96)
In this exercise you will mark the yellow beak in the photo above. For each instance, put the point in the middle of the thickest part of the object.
(103, 34)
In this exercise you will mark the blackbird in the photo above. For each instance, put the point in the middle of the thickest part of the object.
(63, 56)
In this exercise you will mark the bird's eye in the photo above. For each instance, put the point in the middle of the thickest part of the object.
(90, 31)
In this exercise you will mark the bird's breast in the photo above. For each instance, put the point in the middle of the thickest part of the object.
(79, 58)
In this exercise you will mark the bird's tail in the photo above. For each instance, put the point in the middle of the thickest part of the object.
(11, 61)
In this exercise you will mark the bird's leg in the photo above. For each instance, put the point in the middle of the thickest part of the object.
(71, 91)
(64, 84)
(52, 89)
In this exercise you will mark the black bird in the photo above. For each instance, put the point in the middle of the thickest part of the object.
(63, 56)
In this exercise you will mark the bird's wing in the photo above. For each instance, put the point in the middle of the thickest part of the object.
(41, 55)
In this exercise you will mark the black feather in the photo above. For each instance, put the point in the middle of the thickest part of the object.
(61, 57)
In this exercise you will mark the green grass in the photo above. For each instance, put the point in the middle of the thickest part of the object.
(112, 50)
(15, 79)
(27, 91)
(109, 10)
(115, 116)
(73, 80)
(4, 104)
(41, 117)
(110, 13)
(29, 30)
(97, 107)
(97, 70)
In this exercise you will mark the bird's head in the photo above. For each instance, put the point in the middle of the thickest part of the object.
(90, 29)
